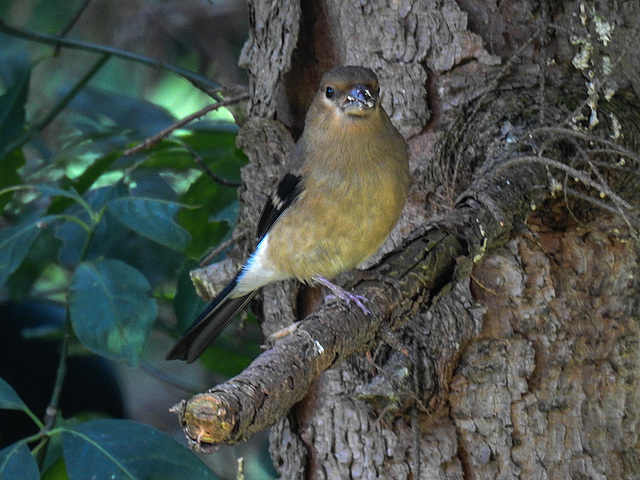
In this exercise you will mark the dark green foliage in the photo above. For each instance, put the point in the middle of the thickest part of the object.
(17, 463)
(117, 449)
(15, 72)
(111, 309)
(113, 238)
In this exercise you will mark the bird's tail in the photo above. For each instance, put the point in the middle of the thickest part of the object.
(209, 324)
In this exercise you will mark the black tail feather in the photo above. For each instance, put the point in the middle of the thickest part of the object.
(209, 324)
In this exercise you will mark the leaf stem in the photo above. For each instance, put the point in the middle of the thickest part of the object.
(95, 217)
(67, 28)
(219, 180)
(35, 418)
(52, 408)
(40, 451)
(74, 219)
(87, 242)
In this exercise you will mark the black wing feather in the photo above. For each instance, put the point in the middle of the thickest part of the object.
(285, 194)
(212, 321)
(209, 324)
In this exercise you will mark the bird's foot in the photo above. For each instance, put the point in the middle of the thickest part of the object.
(375, 276)
(343, 294)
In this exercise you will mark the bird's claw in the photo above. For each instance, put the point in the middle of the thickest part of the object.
(348, 298)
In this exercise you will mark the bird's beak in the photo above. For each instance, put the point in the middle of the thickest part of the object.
(358, 100)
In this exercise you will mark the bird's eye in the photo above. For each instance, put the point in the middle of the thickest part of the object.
(329, 92)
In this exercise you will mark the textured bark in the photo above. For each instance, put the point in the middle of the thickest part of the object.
(523, 362)
(557, 357)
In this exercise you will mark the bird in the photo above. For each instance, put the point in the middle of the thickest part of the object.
(346, 185)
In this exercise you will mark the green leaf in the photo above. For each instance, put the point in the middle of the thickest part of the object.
(9, 399)
(10, 165)
(14, 245)
(56, 471)
(127, 113)
(41, 256)
(201, 222)
(217, 148)
(17, 463)
(94, 171)
(186, 302)
(111, 309)
(152, 219)
(12, 103)
(53, 191)
(105, 234)
(84, 181)
(169, 154)
(121, 449)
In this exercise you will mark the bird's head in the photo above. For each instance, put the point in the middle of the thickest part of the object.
(348, 91)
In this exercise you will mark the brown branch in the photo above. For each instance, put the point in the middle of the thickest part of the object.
(577, 174)
(158, 137)
(200, 82)
(216, 251)
(486, 216)
(210, 173)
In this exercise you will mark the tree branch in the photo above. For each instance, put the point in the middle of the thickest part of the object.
(198, 81)
(37, 127)
(485, 217)
(158, 137)
(67, 28)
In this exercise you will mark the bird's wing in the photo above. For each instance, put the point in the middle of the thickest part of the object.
(226, 306)
(285, 194)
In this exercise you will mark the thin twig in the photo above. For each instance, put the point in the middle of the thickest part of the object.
(199, 81)
(577, 174)
(609, 165)
(565, 193)
(67, 28)
(615, 147)
(491, 87)
(216, 251)
(607, 191)
(596, 201)
(581, 176)
(61, 105)
(51, 413)
(52, 408)
(216, 178)
(158, 137)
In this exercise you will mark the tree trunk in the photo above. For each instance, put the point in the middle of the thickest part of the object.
(519, 357)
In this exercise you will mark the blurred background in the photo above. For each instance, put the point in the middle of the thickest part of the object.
(79, 117)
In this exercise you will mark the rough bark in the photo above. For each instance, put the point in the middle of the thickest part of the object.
(557, 357)
(524, 362)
